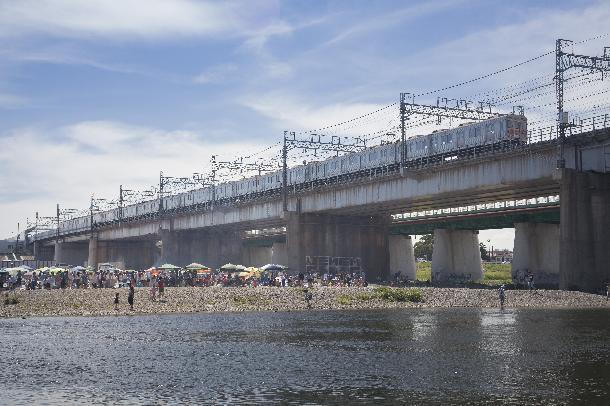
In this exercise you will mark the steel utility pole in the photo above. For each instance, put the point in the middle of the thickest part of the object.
(285, 173)
(403, 143)
(120, 203)
(57, 232)
(160, 191)
(563, 62)
(561, 130)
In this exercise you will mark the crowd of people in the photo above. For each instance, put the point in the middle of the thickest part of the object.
(157, 279)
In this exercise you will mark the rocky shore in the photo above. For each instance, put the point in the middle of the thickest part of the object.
(93, 302)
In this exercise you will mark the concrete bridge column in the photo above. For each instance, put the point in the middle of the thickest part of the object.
(127, 254)
(584, 230)
(57, 254)
(402, 257)
(71, 253)
(279, 254)
(456, 255)
(257, 256)
(326, 235)
(92, 259)
(169, 247)
(536, 251)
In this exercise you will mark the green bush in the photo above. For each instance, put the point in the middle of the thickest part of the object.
(344, 299)
(398, 294)
(365, 296)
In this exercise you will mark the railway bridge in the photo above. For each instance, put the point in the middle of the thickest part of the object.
(368, 219)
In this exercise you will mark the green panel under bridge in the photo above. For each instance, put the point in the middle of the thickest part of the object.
(266, 241)
(487, 221)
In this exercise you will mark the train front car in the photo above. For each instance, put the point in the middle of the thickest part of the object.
(516, 130)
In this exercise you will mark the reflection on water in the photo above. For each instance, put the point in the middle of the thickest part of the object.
(434, 356)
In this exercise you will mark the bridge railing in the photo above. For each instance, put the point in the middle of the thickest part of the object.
(589, 124)
(541, 201)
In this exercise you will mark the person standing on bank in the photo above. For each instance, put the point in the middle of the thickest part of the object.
(116, 301)
(502, 296)
(130, 296)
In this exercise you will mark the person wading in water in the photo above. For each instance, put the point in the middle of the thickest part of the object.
(502, 295)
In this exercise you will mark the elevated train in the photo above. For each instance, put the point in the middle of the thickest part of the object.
(497, 133)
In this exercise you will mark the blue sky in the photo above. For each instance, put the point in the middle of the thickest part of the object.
(94, 94)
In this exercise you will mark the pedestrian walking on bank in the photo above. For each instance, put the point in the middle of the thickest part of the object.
(130, 297)
(502, 295)
(116, 301)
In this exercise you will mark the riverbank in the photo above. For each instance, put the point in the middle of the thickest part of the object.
(94, 302)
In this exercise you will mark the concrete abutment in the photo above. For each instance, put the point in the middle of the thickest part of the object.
(402, 257)
(456, 256)
(325, 235)
(536, 252)
(584, 231)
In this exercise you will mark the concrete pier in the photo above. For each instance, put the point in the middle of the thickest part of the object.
(318, 235)
(402, 257)
(536, 251)
(456, 256)
(257, 256)
(71, 253)
(279, 254)
(584, 231)
(92, 259)
(57, 253)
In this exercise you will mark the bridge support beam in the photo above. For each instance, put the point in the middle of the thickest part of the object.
(536, 251)
(324, 235)
(279, 254)
(125, 254)
(211, 248)
(71, 253)
(402, 257)
(456, 256)
(92, 259)
(584, 230)
(57, 254)
(256, 255)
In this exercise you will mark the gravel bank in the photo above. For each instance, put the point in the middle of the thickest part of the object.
(90, 302)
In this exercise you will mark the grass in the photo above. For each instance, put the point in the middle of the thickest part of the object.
(250, 300)
(345, 299)
(384, 293)
(497, 274)
(424, 271)
(493, 274)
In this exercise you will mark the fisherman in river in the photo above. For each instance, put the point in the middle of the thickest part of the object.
(501, 294)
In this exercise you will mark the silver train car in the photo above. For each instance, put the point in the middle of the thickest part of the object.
(500, 131)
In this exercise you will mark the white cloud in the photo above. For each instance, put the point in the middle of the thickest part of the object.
(291, 113)
(383, 22)
(9, 101)
(217, 74)
(127, 19)
(41, 167)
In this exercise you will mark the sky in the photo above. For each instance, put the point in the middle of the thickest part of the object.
(97, 94)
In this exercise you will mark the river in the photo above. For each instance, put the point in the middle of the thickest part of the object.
(414, 356)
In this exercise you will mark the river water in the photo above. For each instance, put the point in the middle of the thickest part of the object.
(415, 356)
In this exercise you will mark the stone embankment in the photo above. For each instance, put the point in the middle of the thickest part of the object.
(89, 302)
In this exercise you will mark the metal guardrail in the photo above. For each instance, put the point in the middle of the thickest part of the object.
(542, 201)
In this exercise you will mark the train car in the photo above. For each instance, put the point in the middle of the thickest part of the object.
(130, 211)
(147, 208)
